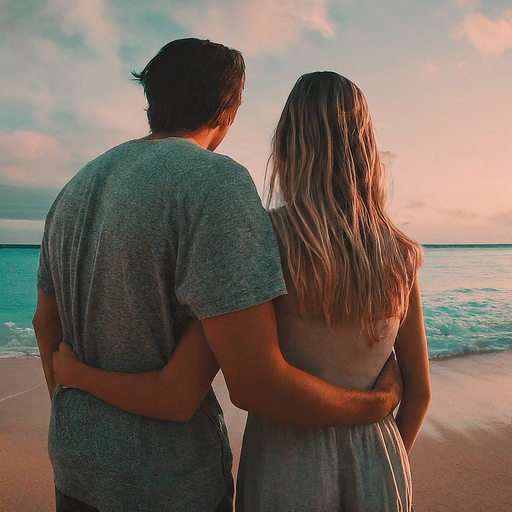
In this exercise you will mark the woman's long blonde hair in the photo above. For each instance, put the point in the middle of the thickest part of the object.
(344, 256)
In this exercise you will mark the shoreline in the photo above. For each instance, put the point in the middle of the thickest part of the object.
(462, 459)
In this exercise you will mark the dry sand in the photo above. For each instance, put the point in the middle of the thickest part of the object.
(461, 461)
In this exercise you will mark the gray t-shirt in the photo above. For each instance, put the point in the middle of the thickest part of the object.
(144, 237)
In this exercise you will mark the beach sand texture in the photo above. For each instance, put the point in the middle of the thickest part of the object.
(462, 461)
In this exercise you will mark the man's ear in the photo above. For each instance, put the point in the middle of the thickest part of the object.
(227, 118)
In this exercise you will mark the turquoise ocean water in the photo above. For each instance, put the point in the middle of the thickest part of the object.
(466, 295)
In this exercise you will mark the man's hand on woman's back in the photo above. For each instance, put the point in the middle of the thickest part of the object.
(389, 383)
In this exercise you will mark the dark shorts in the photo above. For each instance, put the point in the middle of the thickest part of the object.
(64, 503)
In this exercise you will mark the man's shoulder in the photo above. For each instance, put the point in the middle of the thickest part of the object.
(178, 165)
(203, 170)
(208, 160)
(170, 153)
(103, 161)
(223, 170)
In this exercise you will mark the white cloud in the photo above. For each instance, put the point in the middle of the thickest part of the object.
(490, 37)
(58, 75)
(266, 26)
(29, 158)
(63, 61)
(90, 19)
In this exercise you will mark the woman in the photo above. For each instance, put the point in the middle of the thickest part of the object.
(351, 277)
(353, 297)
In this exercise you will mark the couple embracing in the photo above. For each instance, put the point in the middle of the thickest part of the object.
(159, 266)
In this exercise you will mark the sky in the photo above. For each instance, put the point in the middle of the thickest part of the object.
(436, 75)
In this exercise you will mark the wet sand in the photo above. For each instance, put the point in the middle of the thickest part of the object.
(26, 479)
(462, 460)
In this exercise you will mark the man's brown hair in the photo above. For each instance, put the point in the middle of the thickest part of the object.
(192, 83)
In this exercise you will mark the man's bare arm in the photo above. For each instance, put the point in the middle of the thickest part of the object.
(48, 330)
(173, 393)
(260, 380)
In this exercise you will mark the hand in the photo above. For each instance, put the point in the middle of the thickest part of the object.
(65, 364)
(390, 382)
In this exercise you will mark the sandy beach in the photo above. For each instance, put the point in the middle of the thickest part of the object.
(462, 460)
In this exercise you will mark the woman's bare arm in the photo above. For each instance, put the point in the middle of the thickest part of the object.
(412, 357)
(172, 393)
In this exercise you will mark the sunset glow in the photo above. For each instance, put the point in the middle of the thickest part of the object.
(436, 76)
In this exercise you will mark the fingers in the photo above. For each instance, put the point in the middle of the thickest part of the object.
(390, 369)
(390, 378)
(66, 351)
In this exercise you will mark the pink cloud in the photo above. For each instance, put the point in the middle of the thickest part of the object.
(429, 67)
(466, 3)
(260, 27)
(31, 158)
(503, 218)
(91, 92)
(490, 37)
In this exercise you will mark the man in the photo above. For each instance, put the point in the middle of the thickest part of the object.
(146, 236)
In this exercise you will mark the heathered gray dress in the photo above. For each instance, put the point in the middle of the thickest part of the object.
(361, 468)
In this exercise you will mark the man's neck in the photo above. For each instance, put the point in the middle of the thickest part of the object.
(205, 137)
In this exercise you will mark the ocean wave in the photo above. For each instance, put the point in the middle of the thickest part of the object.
(477, 290)
(441, 356)
(457, 323)
(17, 341)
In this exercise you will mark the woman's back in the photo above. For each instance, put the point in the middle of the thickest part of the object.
(360, 468)
(341, 355)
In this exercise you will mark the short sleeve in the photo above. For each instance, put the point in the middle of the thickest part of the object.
(227, 257)
(44, 275)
